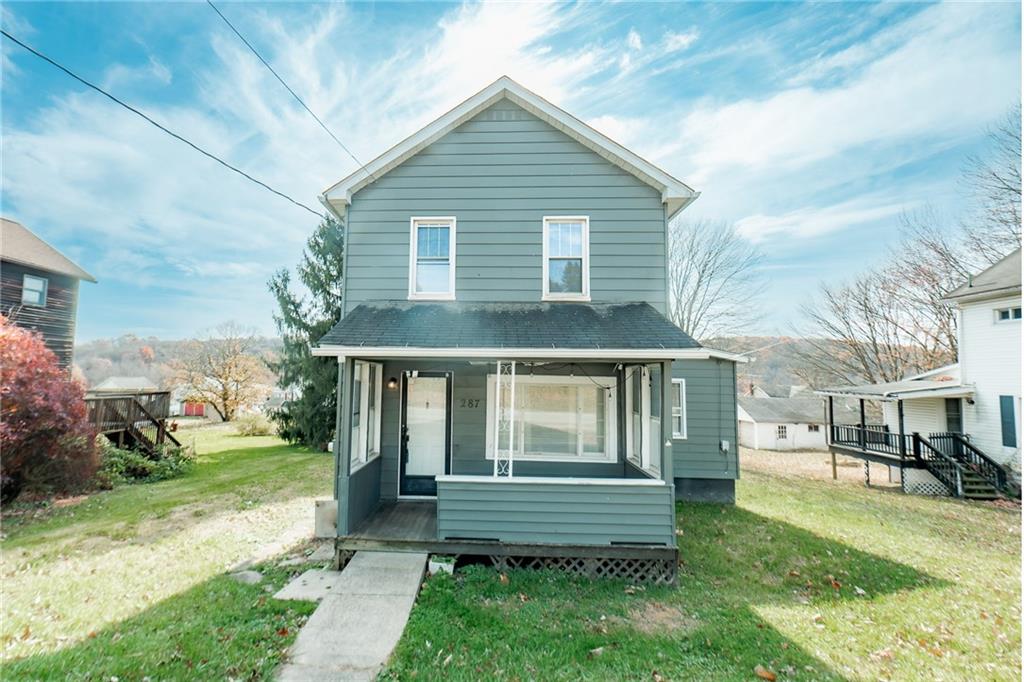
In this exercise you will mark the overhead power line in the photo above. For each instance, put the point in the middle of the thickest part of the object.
(158, 125)
(286, 87)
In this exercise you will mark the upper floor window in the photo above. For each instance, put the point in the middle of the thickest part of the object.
(33, 290)
(432, 259)
(1007, 314)
(566, 258)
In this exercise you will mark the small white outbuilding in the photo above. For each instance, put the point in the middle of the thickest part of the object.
(781, 423)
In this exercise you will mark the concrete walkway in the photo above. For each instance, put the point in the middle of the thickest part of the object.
(359, 621)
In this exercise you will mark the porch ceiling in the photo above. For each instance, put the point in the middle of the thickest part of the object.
(430, 329)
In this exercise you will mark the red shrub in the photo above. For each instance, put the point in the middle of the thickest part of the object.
(45, 437)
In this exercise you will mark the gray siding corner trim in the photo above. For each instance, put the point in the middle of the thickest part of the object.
(553, 511)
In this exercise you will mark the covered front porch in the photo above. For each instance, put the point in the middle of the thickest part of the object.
(522, 430)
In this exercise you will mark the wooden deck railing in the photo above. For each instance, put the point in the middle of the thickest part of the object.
(872, 438)
(141, 415)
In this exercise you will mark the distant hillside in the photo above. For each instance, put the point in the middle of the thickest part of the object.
(774, 365)
(130, 355)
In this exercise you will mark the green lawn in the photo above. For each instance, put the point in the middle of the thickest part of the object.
(130, 582)
(810, 580)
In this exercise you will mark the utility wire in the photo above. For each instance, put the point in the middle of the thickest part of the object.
(150, 120)
(286, 87)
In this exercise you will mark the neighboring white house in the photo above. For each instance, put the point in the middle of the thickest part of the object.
(978, 398)
(989, 334)
(781, 423)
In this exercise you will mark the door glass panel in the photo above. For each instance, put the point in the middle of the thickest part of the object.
(426, 419)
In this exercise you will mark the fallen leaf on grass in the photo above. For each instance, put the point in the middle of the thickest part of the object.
(503, 579)
(26, 633)
(656, 677)
(859, 592)
(764, 673)
(447, 660)
(283, 632)
(835, 583)
(594, 653)
(523, 598)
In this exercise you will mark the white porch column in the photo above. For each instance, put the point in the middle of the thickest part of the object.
(504, 418)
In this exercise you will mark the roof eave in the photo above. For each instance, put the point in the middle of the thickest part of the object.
(608, 354)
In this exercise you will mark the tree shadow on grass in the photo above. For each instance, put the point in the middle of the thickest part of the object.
(544, 625)
(219, 629)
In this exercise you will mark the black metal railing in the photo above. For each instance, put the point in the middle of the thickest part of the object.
(871, 438)
(957, 446)
(940, 465)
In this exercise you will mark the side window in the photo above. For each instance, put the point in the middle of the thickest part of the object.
(1008, 314)
(34, 289)
(432, 259)
(566, 258)
(679, 408)
(780, 432)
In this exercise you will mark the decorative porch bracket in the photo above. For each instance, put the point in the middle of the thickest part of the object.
(504, 417)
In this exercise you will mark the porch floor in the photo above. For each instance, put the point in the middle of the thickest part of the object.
(408, 520)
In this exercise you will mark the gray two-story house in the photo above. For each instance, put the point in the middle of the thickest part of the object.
(510, 385)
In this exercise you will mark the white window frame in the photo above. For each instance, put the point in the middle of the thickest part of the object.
(585, 256)
(361, 450)
(781, 432)
(679, 388)
(611, 417)
(45, 290)
(1011, 318)
(414, 223)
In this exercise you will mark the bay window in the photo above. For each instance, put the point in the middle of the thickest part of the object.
(432, 259)
(366, 396)
(566, 258)
(558, 418)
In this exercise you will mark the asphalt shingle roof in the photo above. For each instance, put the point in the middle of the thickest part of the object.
(19, 245)
(785, 410)
(406, 324)
(1003, 277)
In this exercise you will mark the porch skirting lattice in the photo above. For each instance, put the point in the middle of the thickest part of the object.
(654, 571)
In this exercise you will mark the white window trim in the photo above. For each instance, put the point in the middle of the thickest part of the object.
(413, 242)
(585, 241)
(46, 290)
(362, 457)
(611, 417)
(1009, 320)
(679, 386)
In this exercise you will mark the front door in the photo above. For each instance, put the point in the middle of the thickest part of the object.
(426, 431)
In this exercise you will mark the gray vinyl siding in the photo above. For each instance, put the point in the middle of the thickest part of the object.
(557, 513)
(710, 419)
(499, 174)
(363, 493)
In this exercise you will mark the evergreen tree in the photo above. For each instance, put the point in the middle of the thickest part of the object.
(302, 320)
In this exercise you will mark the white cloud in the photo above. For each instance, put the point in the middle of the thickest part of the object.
(815, 221)
(634, 41)
(675, 42)
(121, 76)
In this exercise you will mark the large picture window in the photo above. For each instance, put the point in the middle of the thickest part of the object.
(567, 258)
(366, 396)
(558, 418)
(432, 259)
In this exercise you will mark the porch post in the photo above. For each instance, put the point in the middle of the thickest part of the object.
(666, 422)
(831, 419)
(903, 440)
(863, 426)
(346, 371)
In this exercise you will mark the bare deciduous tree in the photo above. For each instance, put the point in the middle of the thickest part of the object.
(892, 321)
(993, 228)
(713, 279)
(221, 368)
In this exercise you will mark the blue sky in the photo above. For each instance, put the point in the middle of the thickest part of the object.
(811, 127)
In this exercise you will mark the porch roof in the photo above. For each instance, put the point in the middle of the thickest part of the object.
(429, 329)
(903, 390)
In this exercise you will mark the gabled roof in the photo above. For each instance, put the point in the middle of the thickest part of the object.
(1001, 279)
(674, 193)
(784, 410)
(608, 331)
(19, 245)
(125, 384)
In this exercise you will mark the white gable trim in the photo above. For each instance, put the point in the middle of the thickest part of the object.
(675, 194)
